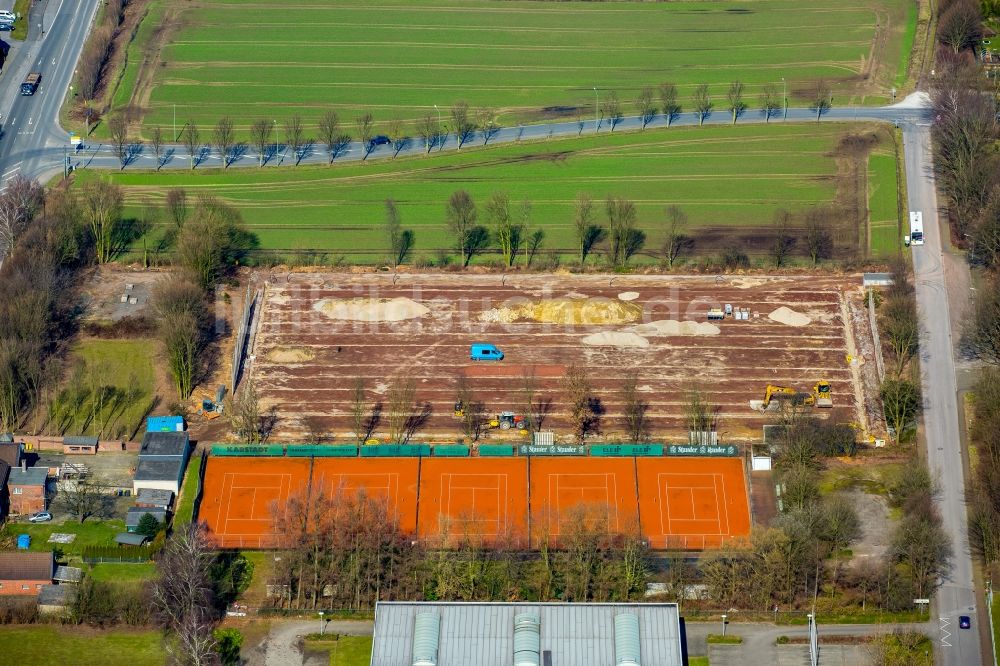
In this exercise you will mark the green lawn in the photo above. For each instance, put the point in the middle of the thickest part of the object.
(91, 533)
(123, 372)
(698, 661)
(344, 650)
(722, 177)
(185, 503)
(80, 647)
(528, 60)
(111, 572)
(883, 203)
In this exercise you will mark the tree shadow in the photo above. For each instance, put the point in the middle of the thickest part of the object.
(133, 152)
(270, 152)
(416, 421)
(671, 117)
(201, 155)
(373, 421)
(304, 151)
(465, 136)
(268, 422)
(541, 409)
(592, 424)
(490, 132)
(400, 145)
(476, 243)
(167, 157)
(236, 153)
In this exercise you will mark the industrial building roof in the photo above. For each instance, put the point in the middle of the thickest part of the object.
(567, 634)
(159, 469)
(164, 444)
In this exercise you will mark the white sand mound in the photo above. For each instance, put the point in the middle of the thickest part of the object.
(628, 295)
(371, 309)
(789, 317)
(291, 355)
(667, 327)
(615, 339)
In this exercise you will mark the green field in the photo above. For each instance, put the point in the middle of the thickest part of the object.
(90, 533)
(344, 650)
(112, 572)
(729, 181)
(80, 646)
(527, 60)
(189, 491)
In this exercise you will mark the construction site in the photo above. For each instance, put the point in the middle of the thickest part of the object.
(745, 343)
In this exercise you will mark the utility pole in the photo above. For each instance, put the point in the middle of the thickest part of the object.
(784, 97)
(597, 106)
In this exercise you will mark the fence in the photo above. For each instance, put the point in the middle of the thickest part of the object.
(464, 451)
(879, 363)
(242, 335)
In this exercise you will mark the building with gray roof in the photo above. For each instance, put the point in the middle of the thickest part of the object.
(526, 634)
(163, 458)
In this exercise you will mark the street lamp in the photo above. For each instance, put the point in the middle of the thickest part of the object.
(274, 123)
(597, 104)
(322, 625)
(439, 124)
(784, 97)
(723, 624)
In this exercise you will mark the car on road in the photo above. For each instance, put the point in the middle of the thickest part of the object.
(379, 140)
(40, 517)
(964, 622)
(7, 17)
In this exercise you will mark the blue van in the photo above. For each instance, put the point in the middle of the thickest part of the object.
(484, 352)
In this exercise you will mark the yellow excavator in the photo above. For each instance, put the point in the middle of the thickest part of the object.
(821, 396)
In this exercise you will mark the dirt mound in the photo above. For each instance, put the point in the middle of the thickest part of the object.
(667, 327)
(371, 309)
(615, 339)
(581, 311)
(789, 317)
(628, 296)
(290, 355)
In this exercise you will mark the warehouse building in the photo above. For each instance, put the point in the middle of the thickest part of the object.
(163, 458)
(526, 634)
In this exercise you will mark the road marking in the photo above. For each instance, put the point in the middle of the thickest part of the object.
(10, 171)
(945, 634)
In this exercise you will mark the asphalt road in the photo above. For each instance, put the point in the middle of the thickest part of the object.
(957, 595)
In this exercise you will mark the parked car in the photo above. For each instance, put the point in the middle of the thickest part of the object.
(40, 517)
(964, 622)
(7, 17)
(481, 351)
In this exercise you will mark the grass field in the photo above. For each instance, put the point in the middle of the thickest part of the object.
(80, 646)
(527, 60)
(344, 650)
(189, 491)
(91, 533)
(729, 181)
(111, 572)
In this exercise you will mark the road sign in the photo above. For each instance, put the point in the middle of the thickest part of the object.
(75, 139)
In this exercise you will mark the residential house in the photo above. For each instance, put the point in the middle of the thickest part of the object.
(24, 573)
(10, 457)
(26, 488)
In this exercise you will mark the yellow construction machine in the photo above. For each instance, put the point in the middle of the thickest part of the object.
(821, 396)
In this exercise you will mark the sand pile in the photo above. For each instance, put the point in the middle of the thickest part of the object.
(628, 296)
(291, 355)
(581, 311)
(668, 327)
(615, 339)
(789, 317)
(371, 309)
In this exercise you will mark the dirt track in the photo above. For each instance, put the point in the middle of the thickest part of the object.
(305, 362)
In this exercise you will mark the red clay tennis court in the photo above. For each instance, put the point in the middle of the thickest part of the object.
(685, 503)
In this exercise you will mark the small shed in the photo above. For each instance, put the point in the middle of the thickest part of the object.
(135, 515)
(80, 446)
(154, 498)
(130, 539)
(55, 598)
(65, 574)
(165, 424)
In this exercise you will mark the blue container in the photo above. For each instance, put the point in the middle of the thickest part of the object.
(165, 424)
(23, 541)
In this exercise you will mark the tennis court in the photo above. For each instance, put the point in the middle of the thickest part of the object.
(683, 503)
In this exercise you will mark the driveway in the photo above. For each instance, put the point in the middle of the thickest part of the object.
(283, 644)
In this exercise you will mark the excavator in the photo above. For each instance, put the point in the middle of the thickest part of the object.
(820, 396)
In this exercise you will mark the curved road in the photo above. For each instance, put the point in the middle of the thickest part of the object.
(34, 145)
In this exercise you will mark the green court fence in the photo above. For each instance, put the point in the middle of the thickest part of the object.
(451, 450)
(321, 451)
(395, 451)
(248, 450)
(497, 450)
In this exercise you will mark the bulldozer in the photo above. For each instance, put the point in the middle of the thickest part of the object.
(821, 396)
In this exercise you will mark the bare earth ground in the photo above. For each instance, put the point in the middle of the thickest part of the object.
(105, 287)
(309, 350)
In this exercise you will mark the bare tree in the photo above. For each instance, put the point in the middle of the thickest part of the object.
(819, 241)
(359, 409)
(735, 96)
(183, 597)
(183, 323)
(644, 105)
(507, 232)
(224, 137)
(461, 216)
(770, 102)
(400, 240)
(960, 26)
(247, 420)
(702, 416)
(102, 210)
(674, 237)
(536, 406)
(118, 128)
(465, 126)
(623, 235)
(192, 140)
(177, 207)
(295, 137)
(19, 202)
(366, 129)
(584, 406)
(588, 233)
(260, 138)
(428, 130)
(821, 99)
(86, 497)
(329, 131)
(702, 102)
(213, 241)
(402, 391)
(668, 100)
(487, 118)
(156, 144)
(784, 241)
(398, 137)
(634, 410)
(611, 109)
